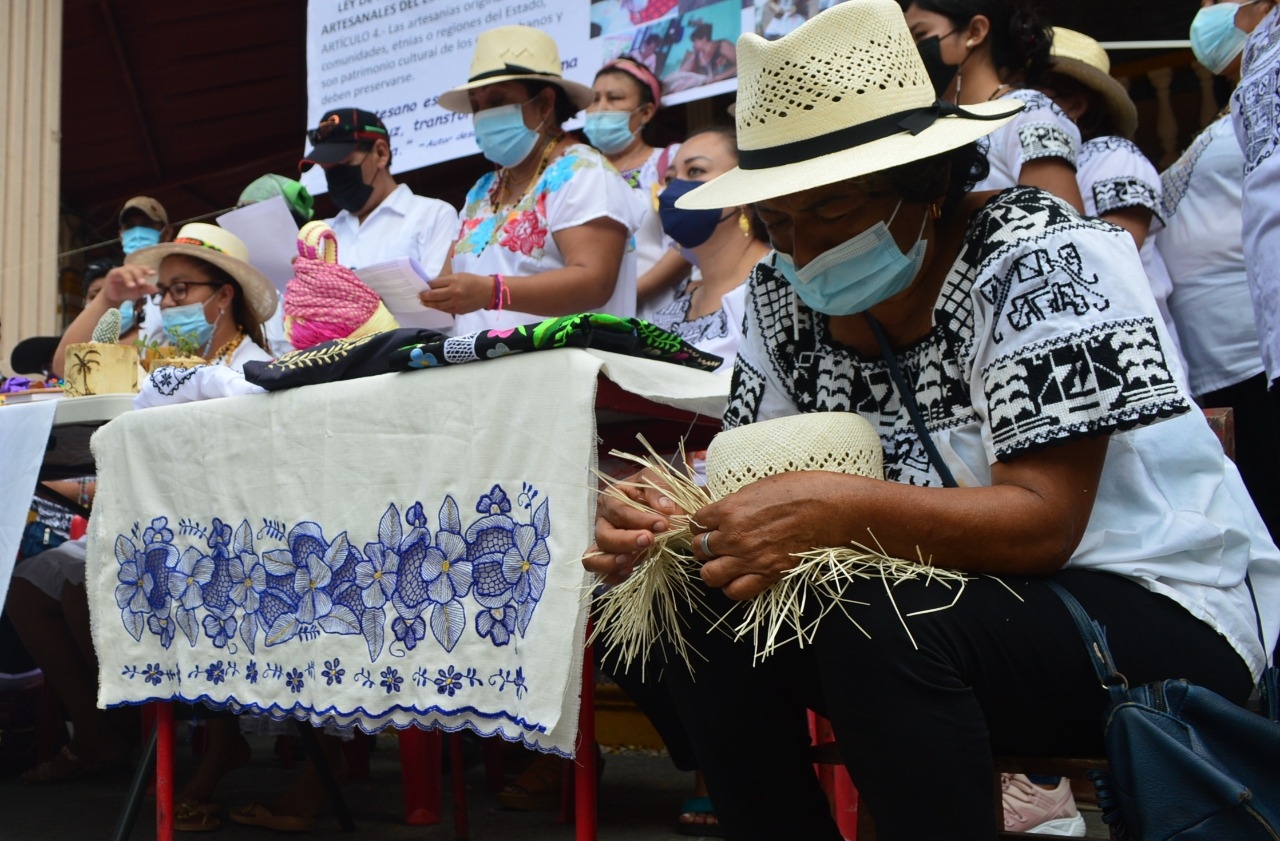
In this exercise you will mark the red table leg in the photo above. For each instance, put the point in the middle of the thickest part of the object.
(585, 764)
(164, 771)
(420, 775)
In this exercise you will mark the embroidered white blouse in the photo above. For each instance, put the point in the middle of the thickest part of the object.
(1039, 130)
(1113, 174)
(578, 187)
(719, 332)
(1033, 343)
(1255, 109)
(1201, 245)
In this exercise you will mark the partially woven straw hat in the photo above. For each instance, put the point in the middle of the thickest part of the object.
(1083, 59)
(843, 95)
(839, 442)
(325, 300)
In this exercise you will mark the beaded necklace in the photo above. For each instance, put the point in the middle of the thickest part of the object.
(224, 353)
(504, 176)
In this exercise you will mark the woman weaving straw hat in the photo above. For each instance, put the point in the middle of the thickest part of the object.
(1031, 430)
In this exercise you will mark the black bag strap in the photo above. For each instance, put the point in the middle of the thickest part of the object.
(1095, 641)
(908, 398)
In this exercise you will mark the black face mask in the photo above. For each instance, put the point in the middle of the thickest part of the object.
(940, 73)
(347, 187)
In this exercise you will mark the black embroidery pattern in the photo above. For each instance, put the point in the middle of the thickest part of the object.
(1108, 144)
(1045, 140)
(1039, 284)
(816, 375)
(1105, 379)
(672, 317)
(1119, 193)
(169, 379)
(1258, 101)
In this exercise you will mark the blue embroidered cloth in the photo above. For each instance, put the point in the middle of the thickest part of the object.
(376, 552)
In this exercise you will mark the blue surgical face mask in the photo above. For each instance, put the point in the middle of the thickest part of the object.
(857, 274)
(502, 135)
(126, 315)
(609, 131)
(1214, 37)
(139, 237)
(188, 320)
(689, 228)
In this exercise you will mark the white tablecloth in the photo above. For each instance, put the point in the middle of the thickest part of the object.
(24, 435)
(384, 551)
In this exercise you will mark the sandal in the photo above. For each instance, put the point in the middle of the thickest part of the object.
(537, 788)
(698, 818)
(255, 814)
(189, 816)
(65, 766)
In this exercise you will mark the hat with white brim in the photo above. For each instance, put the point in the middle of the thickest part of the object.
(1078, 56)
(223, 249)
(514, 54)
(843, 95)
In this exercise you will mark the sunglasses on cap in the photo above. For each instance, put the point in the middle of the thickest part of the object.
(335, 129)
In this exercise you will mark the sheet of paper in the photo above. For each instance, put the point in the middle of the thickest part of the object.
(398, 283)
(269, 232)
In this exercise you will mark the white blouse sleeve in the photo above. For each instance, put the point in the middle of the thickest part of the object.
(1040, 130)
(581, 187)
(1065, 343)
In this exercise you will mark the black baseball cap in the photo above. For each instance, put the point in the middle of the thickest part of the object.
(339, 133)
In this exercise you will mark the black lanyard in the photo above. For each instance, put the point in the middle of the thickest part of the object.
(908, 398)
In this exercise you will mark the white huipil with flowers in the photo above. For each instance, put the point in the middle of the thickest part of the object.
(578, 187)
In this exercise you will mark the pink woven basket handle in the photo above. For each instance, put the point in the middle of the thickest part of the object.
(316, 241)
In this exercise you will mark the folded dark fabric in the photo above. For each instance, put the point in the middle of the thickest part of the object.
(629, 336)
(339, 359)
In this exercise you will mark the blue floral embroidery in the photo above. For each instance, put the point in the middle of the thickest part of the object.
(391, 680)
(294, 681)
(215, 674)
(152, 674)
(450, 681)
(332, 672)
(408, 582)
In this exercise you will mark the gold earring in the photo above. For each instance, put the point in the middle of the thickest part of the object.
(969, 44)
(935, 211)
(744, 223)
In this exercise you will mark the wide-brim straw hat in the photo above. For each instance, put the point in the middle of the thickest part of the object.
(511, 54)
(223, 249)
(845, 94)
(838, 442)
(1080, 57)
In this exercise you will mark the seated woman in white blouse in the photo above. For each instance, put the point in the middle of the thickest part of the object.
(545, 234)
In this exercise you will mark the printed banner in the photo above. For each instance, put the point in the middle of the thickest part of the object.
(396, 58)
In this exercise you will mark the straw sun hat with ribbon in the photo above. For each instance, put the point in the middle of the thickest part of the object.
(644, 610)
(511, 54)
(845, 94)
(223, 249)
(1083, 59)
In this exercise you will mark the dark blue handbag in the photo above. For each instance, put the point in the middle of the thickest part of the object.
(1185, 763)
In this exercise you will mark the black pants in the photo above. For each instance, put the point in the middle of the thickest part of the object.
(918, 724)
(1257, 428)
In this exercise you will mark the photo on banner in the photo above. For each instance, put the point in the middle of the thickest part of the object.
(775, 18)
(396, 58)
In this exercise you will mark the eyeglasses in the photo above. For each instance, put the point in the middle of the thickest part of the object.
(177, 291)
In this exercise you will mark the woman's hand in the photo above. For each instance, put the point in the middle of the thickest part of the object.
(459, 294)
(624, 533)
(128, 283)
(752, 535)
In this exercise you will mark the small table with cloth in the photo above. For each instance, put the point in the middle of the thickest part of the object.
(395, 550)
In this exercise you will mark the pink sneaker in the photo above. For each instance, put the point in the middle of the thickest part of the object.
(1033, 810)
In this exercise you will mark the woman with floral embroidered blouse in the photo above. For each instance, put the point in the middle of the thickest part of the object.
(545, 234)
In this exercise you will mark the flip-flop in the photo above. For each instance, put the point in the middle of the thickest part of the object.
(65, 766)
(189, 816)
(698, 807)
(255, 814)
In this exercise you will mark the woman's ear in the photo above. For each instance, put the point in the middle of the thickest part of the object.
(646, 113)
(976, 32)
